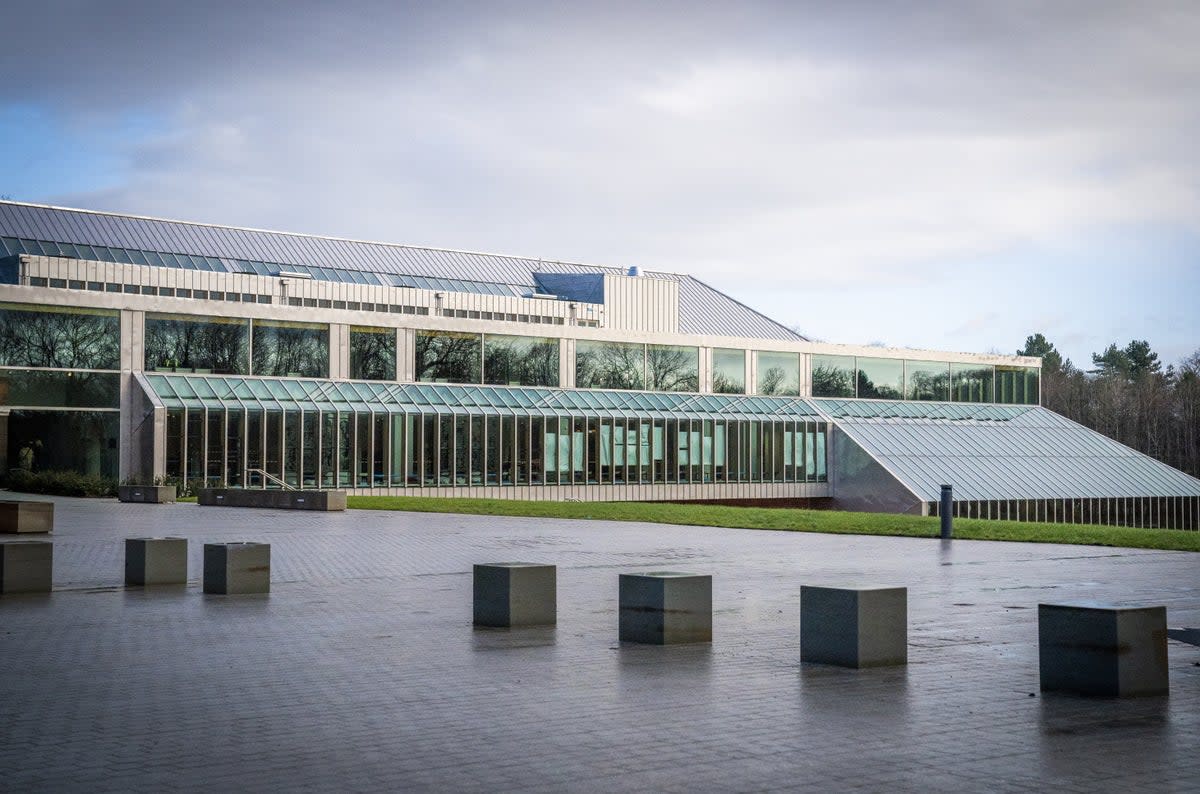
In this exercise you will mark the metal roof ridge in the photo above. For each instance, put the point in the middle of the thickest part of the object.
(614, 269)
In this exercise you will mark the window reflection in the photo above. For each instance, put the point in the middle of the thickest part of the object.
(68, 338)
(729, 371)
(778, 373)
(927, 380)
(448, 357)
(881, 378)
(610, 365)
(289, 348)
(672, 368)
(520, 360)
(971, 383)
(181, 343)
(372, 353)
(833, 376)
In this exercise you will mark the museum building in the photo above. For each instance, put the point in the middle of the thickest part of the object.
(141, 348)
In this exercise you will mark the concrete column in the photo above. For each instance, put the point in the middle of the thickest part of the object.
(566, 364)
(406, 354)
(751, 372)
(706, 370)
(339, 350)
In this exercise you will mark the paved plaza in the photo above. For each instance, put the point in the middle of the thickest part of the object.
(361, 670)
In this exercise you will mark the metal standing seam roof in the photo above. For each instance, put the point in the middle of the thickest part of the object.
(1021, 452)
(219, 392)
(702, 309)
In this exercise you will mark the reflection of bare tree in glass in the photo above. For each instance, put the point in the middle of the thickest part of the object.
(868, 389)
(723, 384)
(832, 382)
(453, 358)
(189, 344)
(291, 351)
(671, 368)
(772, 381)
(59, 339)
(928, 385)
(525, 362)
(372, 355)
(610, 365)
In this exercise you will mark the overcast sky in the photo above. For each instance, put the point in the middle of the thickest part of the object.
(953, 176)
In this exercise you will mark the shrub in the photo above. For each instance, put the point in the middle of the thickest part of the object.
(60, 483)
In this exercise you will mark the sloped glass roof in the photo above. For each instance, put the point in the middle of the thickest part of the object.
(1003, 453)
(238, 392)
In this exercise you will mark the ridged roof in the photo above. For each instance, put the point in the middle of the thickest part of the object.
(702, 309)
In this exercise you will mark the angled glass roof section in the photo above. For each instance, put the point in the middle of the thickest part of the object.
(1000, 452)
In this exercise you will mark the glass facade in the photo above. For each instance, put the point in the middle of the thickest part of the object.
(520, 360)
(356, 435)
(610, 365)
(59, 337)
(185, 343)
(448, 357)
(971, 383)
(672, 368)
(881, 378)
(82, 441)
(833, 376)
(778, 373)
(1017, 385)
(926, 380)
(285, 348)
(372, 353)
(728, 371)
(59, 389)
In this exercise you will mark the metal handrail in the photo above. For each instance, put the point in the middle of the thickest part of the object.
(272, 478)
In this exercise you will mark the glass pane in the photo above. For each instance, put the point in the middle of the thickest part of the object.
(881, 378)
(778, 373)
(729, 371)
(609, 365)
(927, 380)
(82, 441)
(672, 368)
(178, 343)
(520, 360)
(60, 389)
(448, 357)
(832, 376)
(971, 383)
(68, 338)
(372, 353)
(290, 348)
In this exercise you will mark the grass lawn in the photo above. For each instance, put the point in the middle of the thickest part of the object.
(793, 520)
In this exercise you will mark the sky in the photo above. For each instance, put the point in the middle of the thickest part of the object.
(953, 176)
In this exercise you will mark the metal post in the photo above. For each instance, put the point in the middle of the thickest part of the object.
(945, 511)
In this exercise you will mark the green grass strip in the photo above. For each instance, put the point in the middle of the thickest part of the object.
(793, 520)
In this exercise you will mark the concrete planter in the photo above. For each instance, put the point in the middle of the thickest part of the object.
(21, 517)
(237, 568)
(665, 608)
(280, 500)
(854, 626)
(26, 566)
(148, 494)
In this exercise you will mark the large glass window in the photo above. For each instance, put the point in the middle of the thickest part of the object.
(672, 368)
(729, 371)
(1017, 385)
(82, 441)
(971, 383)
(832, 376)
(778, 373)
(60, 389)
(927, 380)
(448, 357)
(610, 365)
(881, 378)
(186, 344)
(60, 337)
(372, 353)
(520, 360)
(289, 348)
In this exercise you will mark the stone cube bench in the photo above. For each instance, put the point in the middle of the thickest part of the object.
(509, 594)
(665, 608)
(1101, 649)
(854, 626)
(237, 568)
(22, 516)
(26, 566)
(155, 561)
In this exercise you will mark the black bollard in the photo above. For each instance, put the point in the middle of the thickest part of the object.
(946, 511)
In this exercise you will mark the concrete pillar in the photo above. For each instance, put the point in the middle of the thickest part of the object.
(21, 517)
(508, 594)
(1103, 650)
(237, 568)
(665, 608)
(854, 626)
(151, 561)
(26, 566)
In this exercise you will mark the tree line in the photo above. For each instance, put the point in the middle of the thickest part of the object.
(1128, 395)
